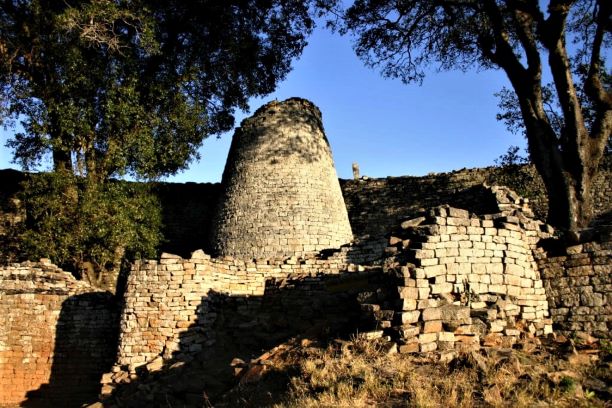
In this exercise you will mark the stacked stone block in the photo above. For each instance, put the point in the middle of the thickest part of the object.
(467, 280)
(57, 335)
(281, 195)
(169, 300)
(578, 284)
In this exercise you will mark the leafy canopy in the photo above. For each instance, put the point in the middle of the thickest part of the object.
(117, 86)
(108, 88)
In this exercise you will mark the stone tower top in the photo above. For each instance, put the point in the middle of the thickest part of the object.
(281, 195)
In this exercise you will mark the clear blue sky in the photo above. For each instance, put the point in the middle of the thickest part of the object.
(389, 128)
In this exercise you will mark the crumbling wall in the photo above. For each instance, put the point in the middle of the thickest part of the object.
(176, 309)
(57, 336)
(578, 283)
(449, 263)
(376, 205)
(466, 280)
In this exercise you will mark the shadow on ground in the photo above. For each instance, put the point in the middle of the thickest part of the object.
(201, 371)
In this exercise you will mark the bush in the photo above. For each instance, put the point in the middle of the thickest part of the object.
(86, 227)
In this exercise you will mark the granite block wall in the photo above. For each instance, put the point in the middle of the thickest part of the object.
(57, 336)
(167, 298)
(376, 205)
(467, 281)
(446, 256)
(578, 284)
(281, 195)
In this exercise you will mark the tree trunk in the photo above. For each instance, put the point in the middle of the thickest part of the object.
(62, 158)
(566, 208)
(568, 180)
(62, 161)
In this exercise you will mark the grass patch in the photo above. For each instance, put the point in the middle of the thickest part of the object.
(362, 373)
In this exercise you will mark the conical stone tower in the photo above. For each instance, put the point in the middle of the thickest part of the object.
(281, 195)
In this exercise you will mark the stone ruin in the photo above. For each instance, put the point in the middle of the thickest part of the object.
(57, 335)
(443, 280)
(281, 195)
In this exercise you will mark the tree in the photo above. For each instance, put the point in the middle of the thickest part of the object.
(113, 86)
(517, 36)
(109, 88)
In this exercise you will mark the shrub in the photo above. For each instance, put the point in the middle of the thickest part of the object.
(86, 227)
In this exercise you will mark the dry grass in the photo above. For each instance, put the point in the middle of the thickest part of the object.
(361, 373)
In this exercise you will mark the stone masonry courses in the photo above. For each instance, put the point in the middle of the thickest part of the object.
(465, 265)
(281, 195)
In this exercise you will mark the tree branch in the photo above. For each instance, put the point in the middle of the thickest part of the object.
(561, 72)
(593, 86)
(523, 22)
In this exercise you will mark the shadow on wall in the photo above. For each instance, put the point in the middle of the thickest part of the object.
(187, 213)
(376, 206)
(279, 131)
(85, 348)
(201, 371)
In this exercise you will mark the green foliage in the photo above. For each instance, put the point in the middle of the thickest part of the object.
(512, 157)
(567, 384)
(109, 88)
(76, 223)
(114, 87)
(511, 115)
(606, 347)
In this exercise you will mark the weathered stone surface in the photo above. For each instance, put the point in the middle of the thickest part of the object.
(577, 286)
(57, 336)
(281, 193)
(412, 222)
(470, 267)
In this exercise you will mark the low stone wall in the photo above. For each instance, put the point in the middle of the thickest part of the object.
(57, 336)
(578, 283)
(171, 304)
(468, 280)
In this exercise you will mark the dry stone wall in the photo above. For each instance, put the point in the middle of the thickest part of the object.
(374, 205)
(467, 280)
(175, 309)
(167, 301)
(281, 195)
(57, 336)
(578, 283)
(377, 205)
(448, 280)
